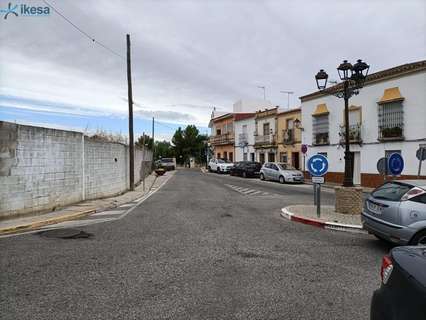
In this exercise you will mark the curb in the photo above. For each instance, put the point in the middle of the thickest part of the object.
(63, 218)
(285, 213)
(38, 224)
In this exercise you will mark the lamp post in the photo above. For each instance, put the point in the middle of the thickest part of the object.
(353, 78)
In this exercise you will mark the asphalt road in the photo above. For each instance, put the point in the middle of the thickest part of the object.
(196, 249)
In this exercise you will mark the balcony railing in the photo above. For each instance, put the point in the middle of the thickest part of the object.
(354, 134)
(320, 139)
(268, 139)
(288, 136)
(242, 139)
(226, 138)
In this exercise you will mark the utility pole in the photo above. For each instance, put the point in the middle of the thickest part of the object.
(143, 162)
(153, 145)
(130, 99)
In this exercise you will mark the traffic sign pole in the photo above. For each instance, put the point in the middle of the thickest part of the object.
(421, 158)
(317, 167)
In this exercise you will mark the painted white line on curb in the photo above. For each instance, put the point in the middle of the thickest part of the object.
(107, 213)
(285, 213)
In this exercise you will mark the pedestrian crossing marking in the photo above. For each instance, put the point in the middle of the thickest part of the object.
(249, 192)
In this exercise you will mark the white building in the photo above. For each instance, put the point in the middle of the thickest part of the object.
(251, 105)
(244, 126)
(388, 115)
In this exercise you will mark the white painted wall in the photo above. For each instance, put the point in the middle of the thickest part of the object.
(412, 88)
(238, 126)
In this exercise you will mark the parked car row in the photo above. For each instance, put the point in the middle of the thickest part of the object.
(275, 171)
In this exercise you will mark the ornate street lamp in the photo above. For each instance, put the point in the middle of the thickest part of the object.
(353, 77)
(321, 79)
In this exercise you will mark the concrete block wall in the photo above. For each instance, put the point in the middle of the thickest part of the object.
(106, 167)
(41, 168)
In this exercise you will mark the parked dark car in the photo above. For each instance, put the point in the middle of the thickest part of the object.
(396, 212)
(402, 294)
(246, 169)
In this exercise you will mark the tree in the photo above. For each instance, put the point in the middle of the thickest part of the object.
(148, 142)
(189, 143)
(163, 149)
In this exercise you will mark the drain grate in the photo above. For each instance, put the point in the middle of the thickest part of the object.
(65, 234)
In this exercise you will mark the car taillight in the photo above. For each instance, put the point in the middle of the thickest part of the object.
(412, 193)
(386, 269)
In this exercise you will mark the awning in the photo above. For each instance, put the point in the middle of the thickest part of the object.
(321, 110)
(391, 95)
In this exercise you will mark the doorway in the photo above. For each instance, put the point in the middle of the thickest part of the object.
(262, 158)
(295, 160)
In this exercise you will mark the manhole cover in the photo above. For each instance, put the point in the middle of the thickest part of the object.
(65, 234)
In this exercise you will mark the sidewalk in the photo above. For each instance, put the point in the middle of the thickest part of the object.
(80, 209)
(329, 218)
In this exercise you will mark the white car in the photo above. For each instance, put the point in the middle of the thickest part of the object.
(220, 166)
(281, 172)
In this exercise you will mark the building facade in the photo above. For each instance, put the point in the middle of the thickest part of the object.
(244, 125)
(387, 116)
(222, 139)
(289, 138)
(265, 136)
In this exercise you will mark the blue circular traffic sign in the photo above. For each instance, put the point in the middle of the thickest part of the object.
(395, 164)
(317, 165)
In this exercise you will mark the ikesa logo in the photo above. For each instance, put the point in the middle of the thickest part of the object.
(24, 10)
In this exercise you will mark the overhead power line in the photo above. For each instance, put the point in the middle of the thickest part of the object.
(84, 32)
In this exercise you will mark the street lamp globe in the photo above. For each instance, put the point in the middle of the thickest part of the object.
(297, 123)
(360, 70)
(345, 70)
(321, 79)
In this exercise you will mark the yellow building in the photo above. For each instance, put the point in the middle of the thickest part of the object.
(289, 138)
(222, 136)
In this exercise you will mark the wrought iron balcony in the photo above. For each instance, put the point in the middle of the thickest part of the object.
(268, 139)
(320, 139)
(220, 139)
(391, 133)
(242, 139)
(354, 133)
(288, 136)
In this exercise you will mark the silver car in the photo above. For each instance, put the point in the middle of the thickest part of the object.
(281, 172)
(396, 212)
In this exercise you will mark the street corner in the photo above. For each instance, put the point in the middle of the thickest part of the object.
(329, 219)
(18, 226)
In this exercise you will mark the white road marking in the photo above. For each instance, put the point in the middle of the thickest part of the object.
(107, 213)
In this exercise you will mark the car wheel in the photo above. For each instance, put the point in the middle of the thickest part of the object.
(210, 169)
(218, 170)
(419, 238)
(262, 177)
(244, 174)
(281, 179)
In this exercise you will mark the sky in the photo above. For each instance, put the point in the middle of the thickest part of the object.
(188, 56)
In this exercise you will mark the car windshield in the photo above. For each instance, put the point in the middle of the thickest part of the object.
(220, 161)
(253, 164)
(167, 160)
(285, 166)
(390, 191)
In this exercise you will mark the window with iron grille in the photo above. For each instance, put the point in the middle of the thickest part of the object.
(320, 129)
(391, 120)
